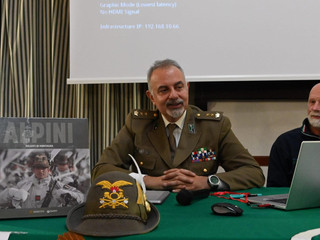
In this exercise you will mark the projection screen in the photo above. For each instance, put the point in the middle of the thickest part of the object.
(213, 40)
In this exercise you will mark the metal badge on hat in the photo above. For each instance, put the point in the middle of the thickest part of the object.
(116, 197)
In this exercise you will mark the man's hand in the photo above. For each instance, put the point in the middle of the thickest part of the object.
(18, 194)
(176, 179)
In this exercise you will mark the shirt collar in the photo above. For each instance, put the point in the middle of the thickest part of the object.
(179, 123)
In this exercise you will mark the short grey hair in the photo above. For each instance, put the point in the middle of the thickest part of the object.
(162, 64)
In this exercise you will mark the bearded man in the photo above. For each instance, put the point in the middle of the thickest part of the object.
(285, 150)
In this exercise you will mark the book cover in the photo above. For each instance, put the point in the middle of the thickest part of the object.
(44, 166)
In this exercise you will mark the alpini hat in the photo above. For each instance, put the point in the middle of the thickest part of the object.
(40, 160)
(115, 206)
(61, 159)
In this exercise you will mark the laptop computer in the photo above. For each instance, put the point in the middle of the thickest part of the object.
(304, 191)
(157, 196)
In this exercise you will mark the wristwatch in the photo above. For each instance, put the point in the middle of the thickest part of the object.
(214, 182)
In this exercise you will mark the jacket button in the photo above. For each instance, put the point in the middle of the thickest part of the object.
(205, 170)
(141, 163)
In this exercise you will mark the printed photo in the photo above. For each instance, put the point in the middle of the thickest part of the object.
(44, 166)
(38, 178)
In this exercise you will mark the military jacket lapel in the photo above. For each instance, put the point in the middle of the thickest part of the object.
(159, 140)
(189, 138)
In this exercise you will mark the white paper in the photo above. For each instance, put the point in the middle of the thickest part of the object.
(4, 235)
(307, 235)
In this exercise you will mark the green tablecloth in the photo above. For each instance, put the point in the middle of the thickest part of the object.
(195, 221)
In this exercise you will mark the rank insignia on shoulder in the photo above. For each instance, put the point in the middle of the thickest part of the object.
(203, 155)
(209, 115)
(145, 114)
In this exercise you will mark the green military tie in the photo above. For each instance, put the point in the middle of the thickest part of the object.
(172, 140)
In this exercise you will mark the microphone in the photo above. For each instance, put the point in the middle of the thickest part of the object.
(185, 197)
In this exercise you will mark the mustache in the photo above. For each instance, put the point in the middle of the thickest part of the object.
(174, 102)
(312, 113)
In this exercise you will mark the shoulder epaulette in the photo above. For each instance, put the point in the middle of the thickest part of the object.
(209, 115)
(145, 114)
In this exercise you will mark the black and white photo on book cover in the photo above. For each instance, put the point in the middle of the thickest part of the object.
(44, 166)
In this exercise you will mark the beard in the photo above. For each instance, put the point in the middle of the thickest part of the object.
(314, 122)
(175, 113)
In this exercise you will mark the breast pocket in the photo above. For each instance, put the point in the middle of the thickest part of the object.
(203, 162)
(145, 159)
(203, 168)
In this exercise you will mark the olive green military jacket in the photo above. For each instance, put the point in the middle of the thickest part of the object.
(206, 142)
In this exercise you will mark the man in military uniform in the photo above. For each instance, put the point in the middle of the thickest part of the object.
(202, 141)
(41, 190)
(62, 168)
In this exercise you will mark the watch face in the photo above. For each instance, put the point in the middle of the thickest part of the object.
(214, 180)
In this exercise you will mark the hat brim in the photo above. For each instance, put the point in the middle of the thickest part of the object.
(100, 227)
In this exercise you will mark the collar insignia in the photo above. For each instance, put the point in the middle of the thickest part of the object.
(191, 128)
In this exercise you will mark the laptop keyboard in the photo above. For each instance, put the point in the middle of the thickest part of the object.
(283, 200)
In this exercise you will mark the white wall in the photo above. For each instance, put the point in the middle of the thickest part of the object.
(257, 124)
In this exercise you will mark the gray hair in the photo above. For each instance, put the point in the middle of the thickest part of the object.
(162, 64)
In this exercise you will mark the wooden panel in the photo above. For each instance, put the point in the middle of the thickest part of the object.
(262, 160)
(205, 92)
